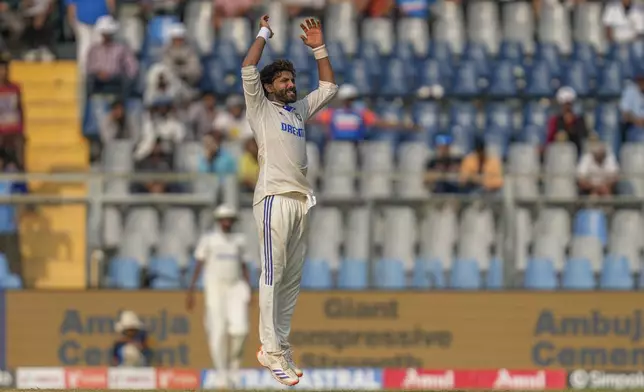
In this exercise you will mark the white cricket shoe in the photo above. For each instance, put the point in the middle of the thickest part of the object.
(279, 367)
(288, 354)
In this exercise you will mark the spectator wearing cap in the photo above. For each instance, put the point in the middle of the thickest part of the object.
(181, 57)
(110, 64)
(37, 35)
(202, 115)
(160, 123)
(216, 159)
(567, 121)
(83, 16)
(597, 171)
(631, 106)
(349, 122)
(443, 169)
(132, 348)
(233, 122)
(481, 172)
(11, 114)
(249, 166)
(623, 21)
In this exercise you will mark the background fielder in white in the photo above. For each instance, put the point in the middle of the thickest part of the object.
(221, 254)
(283, 195)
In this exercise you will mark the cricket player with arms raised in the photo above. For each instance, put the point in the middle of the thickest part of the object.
(283, 195)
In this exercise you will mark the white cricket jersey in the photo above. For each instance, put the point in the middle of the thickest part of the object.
(280, 135)
(223, 255)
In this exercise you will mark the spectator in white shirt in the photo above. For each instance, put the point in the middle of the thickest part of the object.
(162, 84)
(233, 122)
(181, 57)
(597, 171)
(160, 124)
(623, 20)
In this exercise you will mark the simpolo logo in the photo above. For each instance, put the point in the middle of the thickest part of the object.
(596, 379)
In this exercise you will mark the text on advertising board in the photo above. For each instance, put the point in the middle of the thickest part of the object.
(601, 331)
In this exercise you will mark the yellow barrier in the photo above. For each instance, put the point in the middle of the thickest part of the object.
(442, 330)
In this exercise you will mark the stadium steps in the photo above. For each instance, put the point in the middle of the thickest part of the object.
(53, 236)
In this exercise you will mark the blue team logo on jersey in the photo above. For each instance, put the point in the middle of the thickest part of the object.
(299, 132)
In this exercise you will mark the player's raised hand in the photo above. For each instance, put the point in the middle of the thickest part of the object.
(312, 36)
(263, 22)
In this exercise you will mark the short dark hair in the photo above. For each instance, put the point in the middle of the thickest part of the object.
(269, 73)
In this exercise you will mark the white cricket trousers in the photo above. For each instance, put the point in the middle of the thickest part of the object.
(282, 226)
(226, 317)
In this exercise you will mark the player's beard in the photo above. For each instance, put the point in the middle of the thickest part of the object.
(287, 95)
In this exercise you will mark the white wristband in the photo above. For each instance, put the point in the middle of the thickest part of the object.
(320, 52)
(265, 33)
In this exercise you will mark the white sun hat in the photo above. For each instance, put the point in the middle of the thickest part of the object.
(566, 95)
(348, 91)
(107, 25)
(128, 320)
(225, 211)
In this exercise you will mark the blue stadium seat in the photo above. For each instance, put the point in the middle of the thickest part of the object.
(156, 34)
(358, 75)
(607, 125)
(369, 52)
(462, 138)
(540, 274)
(622, 54)
(316, 275)
(478, 54)
(300, 55)
(575, 76)
(502, 81)
(404, 52)
(539, 81)
(336, 52)
(428, 274)
(494, 276)
(637, 51)
(498, 139)
(533, 134)
(616, 274)
(124, 273)
(395, 79)
(226, 56)
(390, 275)
(441, 51)
(499, 115)
(586, 54)
(4, 266)
(535, 113)
(191, 271)
(549, 53)
(165, 273)
(353, 275)
(511, 51)
(591, 222)
(433, 72)
(465, 275)
(610, 80)
(224, 82)
(11, 282)
(463, 114)
(578, 275)
(427, 115)
(465, 81)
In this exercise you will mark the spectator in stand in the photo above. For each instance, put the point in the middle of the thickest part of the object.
(623, 21)
(110, 64)
(233, 122)
(202, 115)
(157, 162)
(11, 24)
(631, 106)
(9, 219)
(249, 166)
(597, 171)
(224, 9)
(375, 8)
(132, 348)
(567, 121)
(350, 123)
(160, 124)
(215, 158)
(115, 125)
(163, 84)
(38, 32)
(481, 172)
(181, 57)
(83, 16)
(443, 169)
(162, 7)
(11, 114)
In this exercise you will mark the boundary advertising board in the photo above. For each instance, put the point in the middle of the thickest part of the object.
(512, 330)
